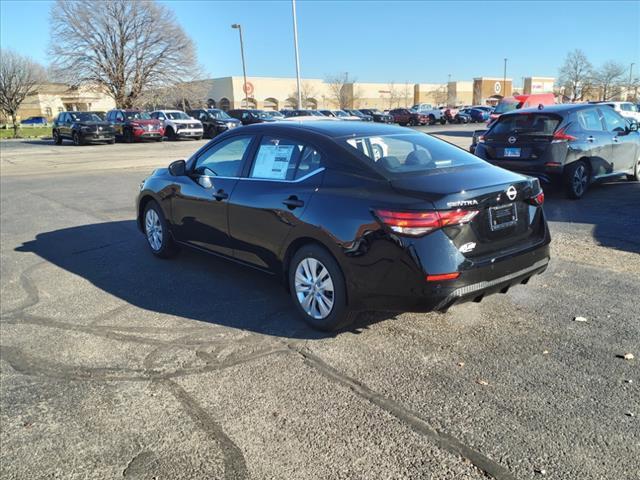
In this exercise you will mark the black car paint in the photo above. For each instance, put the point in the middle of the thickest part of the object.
(213, 126)
(64, 127)
(383, 270)
(608, 153)
(250, 116)
(378, 116)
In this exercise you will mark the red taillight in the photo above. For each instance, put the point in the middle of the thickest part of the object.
(442, 276)
(537, 199)
(561, 136)
(419, 223)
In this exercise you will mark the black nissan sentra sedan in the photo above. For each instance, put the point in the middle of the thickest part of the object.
(351, 216)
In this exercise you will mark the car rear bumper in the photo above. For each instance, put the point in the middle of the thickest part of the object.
(545, 168)
(476, 281)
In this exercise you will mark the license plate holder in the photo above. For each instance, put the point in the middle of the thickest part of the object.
(503, 216)
(512, 152)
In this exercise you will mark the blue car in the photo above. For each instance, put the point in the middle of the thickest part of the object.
(476, 114)
(34, 121)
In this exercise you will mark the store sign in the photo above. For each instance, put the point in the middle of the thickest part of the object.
(497, 87)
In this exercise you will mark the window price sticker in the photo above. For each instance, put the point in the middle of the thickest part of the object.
(272, 161)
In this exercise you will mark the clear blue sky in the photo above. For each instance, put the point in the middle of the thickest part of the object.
(381, 41)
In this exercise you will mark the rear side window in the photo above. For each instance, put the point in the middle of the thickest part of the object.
(526, 124)
(409, 153)
(589, 119)
(284, 159)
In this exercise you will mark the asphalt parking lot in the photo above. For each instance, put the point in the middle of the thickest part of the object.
(116, 364)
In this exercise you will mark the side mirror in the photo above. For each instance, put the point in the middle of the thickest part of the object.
(178, 168)
(633, 126)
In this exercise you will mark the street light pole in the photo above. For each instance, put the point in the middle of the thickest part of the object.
(504, 79)
(244, 69)
(295, 44)
(630, 80)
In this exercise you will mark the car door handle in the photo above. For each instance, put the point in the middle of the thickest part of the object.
(293, 202)
(590, 138)
(220, 195)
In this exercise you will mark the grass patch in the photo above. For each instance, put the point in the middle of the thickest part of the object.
(26, 132)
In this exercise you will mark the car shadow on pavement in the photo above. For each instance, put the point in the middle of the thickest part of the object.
(114, 257)
(611, 208)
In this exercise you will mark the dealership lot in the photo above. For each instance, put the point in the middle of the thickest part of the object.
(117, 364)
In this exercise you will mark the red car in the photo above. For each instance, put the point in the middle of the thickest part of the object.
(404, 116)
(134, 125)
(517, 102)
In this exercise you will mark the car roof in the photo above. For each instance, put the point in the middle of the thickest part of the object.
(330, 128)
(558, 108)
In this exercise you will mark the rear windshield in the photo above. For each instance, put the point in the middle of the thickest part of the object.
(506, 106)
(219, 114)
(409, 153)
(526, 124)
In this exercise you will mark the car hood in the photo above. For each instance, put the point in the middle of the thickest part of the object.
(183, 121)
(146, 122)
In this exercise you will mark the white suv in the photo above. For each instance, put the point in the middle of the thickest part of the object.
(626, 109)
(178, 124)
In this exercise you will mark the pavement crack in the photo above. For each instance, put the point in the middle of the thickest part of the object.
(443, 440)
(235, 467)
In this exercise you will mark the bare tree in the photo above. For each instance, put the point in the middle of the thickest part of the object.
(124, 46)
(609, 79)
(341, 89)
(440, 95)
(394, 95)
(307, 91)
(181, 95)
(19, 77)
(576, 75)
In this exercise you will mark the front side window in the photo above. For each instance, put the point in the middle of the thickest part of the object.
(284, 159)
(589, 119)
(613, 121)
(223, 159)
(409, 153)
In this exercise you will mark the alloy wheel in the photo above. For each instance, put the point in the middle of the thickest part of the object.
(580, 180)
(314, 288)
(153, 229)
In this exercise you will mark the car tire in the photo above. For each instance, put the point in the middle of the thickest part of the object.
(311, 262)
(432, 120)
(635, 177)
(161, 139)
(198, 137)
(77, 139)
(57, 139)
(443, 121)
(403, 124)
(112, 141)
(156, 231)
(171, 135)
(128, 136)
(576, 179)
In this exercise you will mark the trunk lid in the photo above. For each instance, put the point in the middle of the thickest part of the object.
(506, 220)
